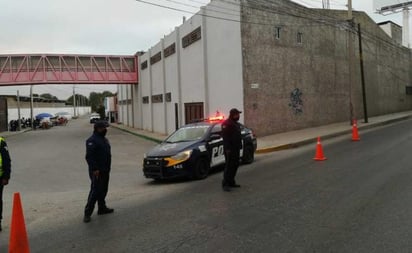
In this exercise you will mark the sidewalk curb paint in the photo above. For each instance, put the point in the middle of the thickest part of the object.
(328, 136)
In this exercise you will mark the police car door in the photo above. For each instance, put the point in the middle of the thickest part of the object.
(216, 147)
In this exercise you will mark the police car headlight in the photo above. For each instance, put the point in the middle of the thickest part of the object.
(178, 158)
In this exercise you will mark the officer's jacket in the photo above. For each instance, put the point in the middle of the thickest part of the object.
(5, 168)
(232, 137)
(98, 154)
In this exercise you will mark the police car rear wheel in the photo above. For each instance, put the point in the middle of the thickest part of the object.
(248, 155)
(201, 169)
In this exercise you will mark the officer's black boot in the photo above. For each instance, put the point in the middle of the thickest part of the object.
(87, 218)
(105, 210)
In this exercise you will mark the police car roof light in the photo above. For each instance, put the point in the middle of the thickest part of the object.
(216, 118)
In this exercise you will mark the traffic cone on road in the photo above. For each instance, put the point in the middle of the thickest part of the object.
(355, 134)
(319, 156)
(19, 242)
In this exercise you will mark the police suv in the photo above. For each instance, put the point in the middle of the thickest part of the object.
(193, 149)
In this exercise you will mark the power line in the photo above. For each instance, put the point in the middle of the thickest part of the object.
(279, 12)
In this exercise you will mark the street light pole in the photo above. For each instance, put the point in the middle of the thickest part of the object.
(18, 111)
(74, 101)
(350, 63)
(31, 107)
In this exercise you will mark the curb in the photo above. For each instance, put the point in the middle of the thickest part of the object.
(10, 134)
(328, 136)
(138, 135)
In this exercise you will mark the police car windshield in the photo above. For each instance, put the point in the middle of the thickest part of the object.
(189, 133)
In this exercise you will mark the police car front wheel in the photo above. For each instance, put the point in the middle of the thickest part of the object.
(248, 155)
(201, 169)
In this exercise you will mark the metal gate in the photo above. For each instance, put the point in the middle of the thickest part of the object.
(193, 112)
(3, 115)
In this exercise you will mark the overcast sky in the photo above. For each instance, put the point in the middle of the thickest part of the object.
(102, 27)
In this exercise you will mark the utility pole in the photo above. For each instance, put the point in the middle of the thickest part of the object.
(31, 107)
(74, 101)
(350, 64)
(365, 108)
(18, 111)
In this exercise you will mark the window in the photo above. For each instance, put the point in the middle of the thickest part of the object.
(169, 97)
(145, 100)
(169, 50)
(217, 129)
(157, 98)
(277, 32)
(299, 38)
(192, 37)
(155, 58)
(144, 65)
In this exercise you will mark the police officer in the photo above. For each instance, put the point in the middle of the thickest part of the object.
(98, 157)
(5, 170)
(232, 143)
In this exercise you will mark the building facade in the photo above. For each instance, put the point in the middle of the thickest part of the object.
(286, 66)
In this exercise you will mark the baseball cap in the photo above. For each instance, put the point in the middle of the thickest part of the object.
(234, 111)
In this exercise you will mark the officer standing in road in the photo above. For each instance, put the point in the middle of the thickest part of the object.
(232, 143)
(98, 157)
(5, 170)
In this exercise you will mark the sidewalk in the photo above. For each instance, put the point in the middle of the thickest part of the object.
(7, 134)
(297, 138)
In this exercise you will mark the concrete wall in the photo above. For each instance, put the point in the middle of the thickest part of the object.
(393, 30)
(125, 101)
(207, 71)
(224, 57)
(41, 107)
(290, 85)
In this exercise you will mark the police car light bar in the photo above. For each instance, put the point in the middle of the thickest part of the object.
(216, 118)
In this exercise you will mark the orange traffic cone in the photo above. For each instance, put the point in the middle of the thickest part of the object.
(19, 242)
(319, 156)
(355, 134)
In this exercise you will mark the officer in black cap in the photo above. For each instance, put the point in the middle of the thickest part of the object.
(99, 158)
(232, 143)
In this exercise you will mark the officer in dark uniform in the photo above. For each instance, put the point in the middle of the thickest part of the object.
(98, 157)
(232, 143)
(5, 170)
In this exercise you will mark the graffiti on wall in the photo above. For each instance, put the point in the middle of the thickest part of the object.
(296, 102)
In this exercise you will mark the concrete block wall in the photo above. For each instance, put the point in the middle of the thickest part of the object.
(290, 85)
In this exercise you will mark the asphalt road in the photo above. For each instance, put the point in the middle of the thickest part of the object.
(359, 200)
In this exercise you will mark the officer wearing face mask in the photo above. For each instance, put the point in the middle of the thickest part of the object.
(232, 143)
(99, 158)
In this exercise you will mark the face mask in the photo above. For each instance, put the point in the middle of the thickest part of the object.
(102, 132)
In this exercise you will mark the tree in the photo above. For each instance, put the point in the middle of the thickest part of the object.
(80, 99)
(49, 96)
(97, 99)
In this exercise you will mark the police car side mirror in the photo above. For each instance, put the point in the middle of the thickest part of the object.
(214, 137)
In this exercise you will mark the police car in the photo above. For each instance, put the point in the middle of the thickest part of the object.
(193, 149)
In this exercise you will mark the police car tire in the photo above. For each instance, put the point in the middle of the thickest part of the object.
(201, 170)
(248, 155)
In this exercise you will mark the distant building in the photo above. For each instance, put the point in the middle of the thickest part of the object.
(284, 65)
(393, 30)
(110, 105)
